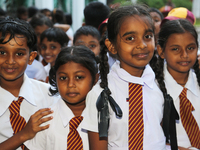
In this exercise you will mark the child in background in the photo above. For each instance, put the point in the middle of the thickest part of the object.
(88, 36)
(95, 13)
(16, 41)
(22, 13)
(52, 40)
(73, 76)
(180, 77)
(130, 35)
(157, 17)
(47, 13)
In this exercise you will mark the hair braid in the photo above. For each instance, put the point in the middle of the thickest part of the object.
(197, 71)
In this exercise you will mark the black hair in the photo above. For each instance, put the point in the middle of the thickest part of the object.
(40, 19)
(68, 19)
(95, 13)
(58, 16)
(157, 11)
(45, 10)
(21, 10)
(32, 11)
(87, 30)
(167, 29)
(2, 12)
(17, 27)
(56, 35)
(78, 54)
(113, 26)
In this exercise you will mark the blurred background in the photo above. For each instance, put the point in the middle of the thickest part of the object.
(75, 7)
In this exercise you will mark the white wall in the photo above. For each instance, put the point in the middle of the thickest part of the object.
(40, 4)
(196, 8)
(77, 13)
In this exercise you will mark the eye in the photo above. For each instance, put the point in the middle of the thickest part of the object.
(149, 36)
(130, 38)
(43, 47)
(92, 46)
(79, 77)
(190, 48)
(175, 49)
(63, 78)
(53, 47)
(2, 53)
(19, 54)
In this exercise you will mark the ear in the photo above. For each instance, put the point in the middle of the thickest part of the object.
(32, 57)
(96, 78)
(160, 52)
(110, 46)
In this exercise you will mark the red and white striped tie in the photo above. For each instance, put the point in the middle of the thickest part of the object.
(136, 125)
(16, 120)
(188, 120)
(74, 141)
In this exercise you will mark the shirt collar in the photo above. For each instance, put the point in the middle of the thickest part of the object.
(147, 77)
(26, 91)
(65, 112)
(174, 89)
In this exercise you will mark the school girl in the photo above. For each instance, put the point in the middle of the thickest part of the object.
(179, 77)
(73, 76)
(124, 110)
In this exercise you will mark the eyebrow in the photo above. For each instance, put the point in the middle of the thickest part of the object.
(23, 49)
(133, 32)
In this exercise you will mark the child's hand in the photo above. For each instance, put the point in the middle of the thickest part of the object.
(33, 125)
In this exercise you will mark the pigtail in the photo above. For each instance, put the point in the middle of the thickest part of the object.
(104, 66)
(154, 61)
(52, 80)
(104, 97)
(169, 114)
(197, 71)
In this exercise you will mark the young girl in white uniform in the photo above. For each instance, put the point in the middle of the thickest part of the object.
(73, 76)
(130, 35)
(178, 45)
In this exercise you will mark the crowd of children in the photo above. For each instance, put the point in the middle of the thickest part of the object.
(126, 80)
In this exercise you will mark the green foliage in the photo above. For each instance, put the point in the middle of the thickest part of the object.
(156, 3)
(183, 3)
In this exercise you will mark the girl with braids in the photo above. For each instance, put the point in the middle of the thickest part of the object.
(180, 75)
(130, 36)
(72, 77)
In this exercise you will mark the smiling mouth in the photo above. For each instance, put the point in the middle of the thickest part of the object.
(10, 70)
(141, 55)
(185, 63)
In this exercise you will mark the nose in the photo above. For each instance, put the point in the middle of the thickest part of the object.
(71, 83)
(184, 54)
(10, 60)
(141, 45)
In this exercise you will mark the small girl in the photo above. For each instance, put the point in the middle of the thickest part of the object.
(73, 76)
(52, 40)
(127, 101)
(179, 77)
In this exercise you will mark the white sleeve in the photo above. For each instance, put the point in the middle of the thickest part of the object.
(90, 121)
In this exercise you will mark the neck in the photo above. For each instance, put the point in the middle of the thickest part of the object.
(78, 108)
(12, 86)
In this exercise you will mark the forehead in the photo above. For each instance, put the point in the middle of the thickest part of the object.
(135, 24)
(86, 38)
(46, 41)
(19, 39)
(155, 15)
(40, 29)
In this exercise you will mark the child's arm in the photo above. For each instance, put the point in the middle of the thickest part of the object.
(96, 143)
(29, 131)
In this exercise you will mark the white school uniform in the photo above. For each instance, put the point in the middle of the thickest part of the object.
(35, 95)
(118, 82)
(55, 137)
(36, 71)
(193, 94)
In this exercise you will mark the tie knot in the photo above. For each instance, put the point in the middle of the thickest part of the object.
(74, 122)
(184, 93)
(15, 106)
